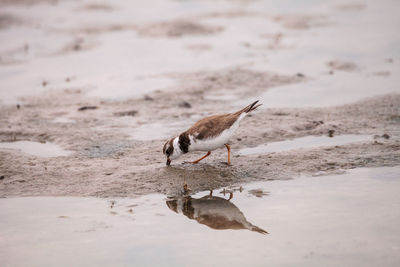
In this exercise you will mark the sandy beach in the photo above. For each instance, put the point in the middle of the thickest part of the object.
(90, 91)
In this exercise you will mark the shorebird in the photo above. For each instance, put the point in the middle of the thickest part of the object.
(215, 212)
(207, 134)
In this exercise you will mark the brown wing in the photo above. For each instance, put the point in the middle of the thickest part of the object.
(212, 126)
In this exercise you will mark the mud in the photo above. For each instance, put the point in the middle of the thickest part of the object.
(95, 7)
(106, 163)
(300, 22)
(8, 20)
(341, 65)
(177, 29)
(26, 2)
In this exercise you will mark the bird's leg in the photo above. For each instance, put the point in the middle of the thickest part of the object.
(186, 188)
(229, 153)
(197, 161)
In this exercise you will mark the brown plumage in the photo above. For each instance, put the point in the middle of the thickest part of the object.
(215, 212)
(212, 126)
(207, 134)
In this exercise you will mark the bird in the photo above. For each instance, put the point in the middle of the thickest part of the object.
(215, 212)
(207, 135)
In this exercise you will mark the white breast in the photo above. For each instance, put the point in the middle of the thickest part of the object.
(216, 141)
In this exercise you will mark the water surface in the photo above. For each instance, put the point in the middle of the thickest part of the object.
(337, 220)
(36, 148)
(306, 142)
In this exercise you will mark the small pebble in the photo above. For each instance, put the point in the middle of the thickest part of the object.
(87, 107)
(185, 104)
(131, 113)
(148, 98)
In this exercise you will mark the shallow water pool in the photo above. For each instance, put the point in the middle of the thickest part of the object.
(306, 142)
(36, 148)
(337, 220)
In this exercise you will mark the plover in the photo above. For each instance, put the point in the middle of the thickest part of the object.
(215, 212)
(207, 134)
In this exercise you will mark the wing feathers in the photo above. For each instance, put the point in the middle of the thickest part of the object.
(214, 125)
(249, 108)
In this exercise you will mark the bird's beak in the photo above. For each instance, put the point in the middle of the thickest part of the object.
(168, 161)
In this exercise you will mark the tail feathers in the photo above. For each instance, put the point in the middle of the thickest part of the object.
(259, 230)
(249, 108)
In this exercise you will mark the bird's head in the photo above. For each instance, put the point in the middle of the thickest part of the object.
(171, 150)
(173, 205)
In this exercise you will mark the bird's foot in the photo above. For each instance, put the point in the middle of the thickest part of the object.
(190, 162)
(186, 188)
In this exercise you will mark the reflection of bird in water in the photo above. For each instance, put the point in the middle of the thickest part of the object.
(215, 212)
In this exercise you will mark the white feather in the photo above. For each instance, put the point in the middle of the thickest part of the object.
(177, 152)
(217, 141)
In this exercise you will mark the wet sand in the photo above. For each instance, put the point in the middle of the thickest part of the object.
(90, 91)
(108, 162)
